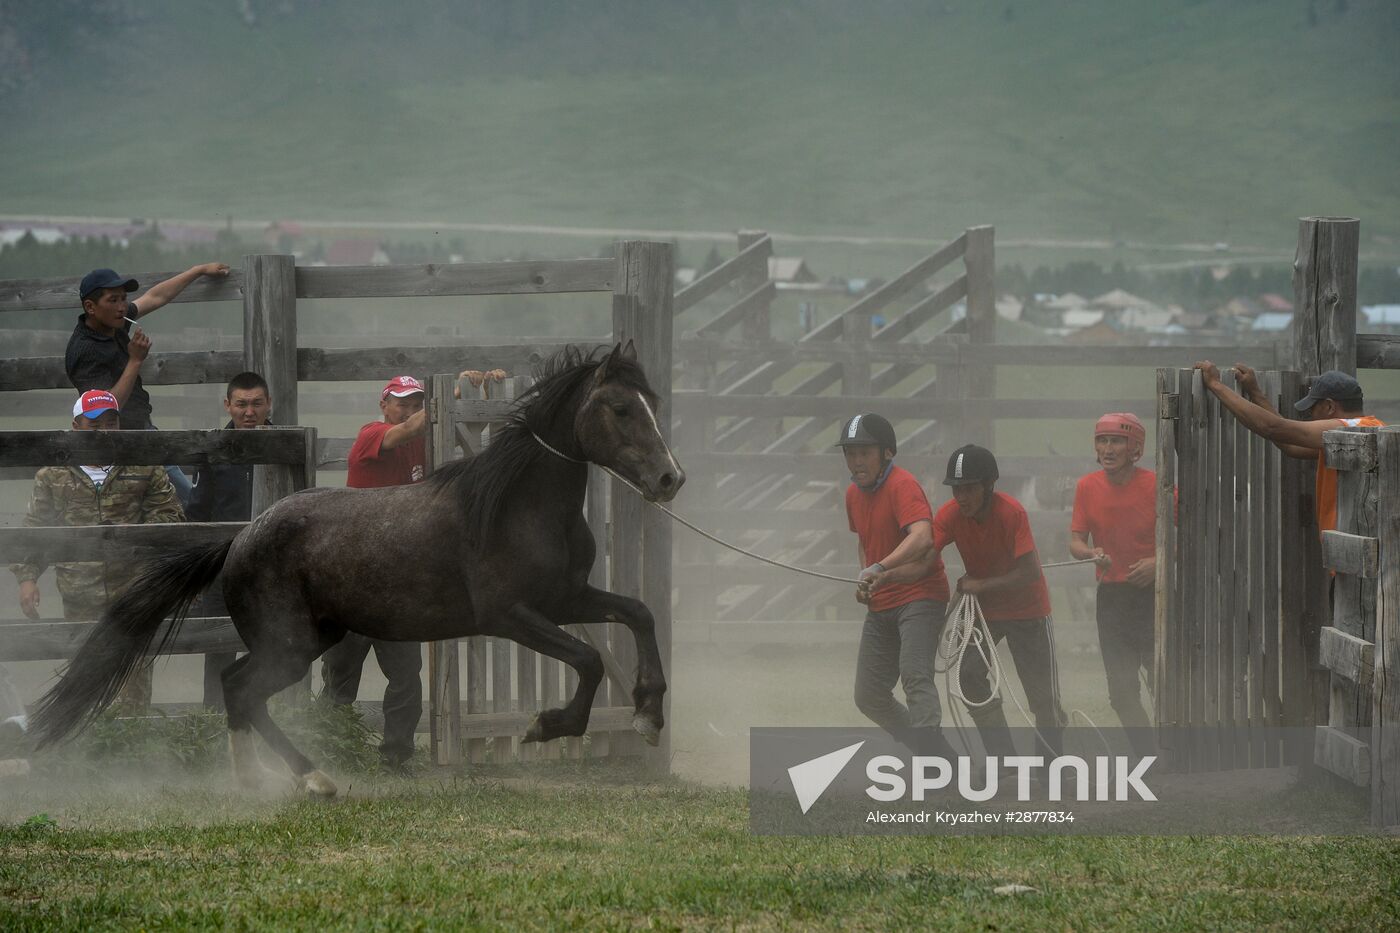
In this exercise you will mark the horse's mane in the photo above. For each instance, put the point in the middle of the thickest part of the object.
(486, 480)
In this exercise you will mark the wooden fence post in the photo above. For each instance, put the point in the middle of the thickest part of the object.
(1385, 686)
(1324, 286)
(444, 672)
(979, 259)
(642, 311)
(757, 326)
(270, 349)
(1324, 337)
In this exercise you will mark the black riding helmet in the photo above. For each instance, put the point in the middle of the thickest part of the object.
(867, 429)
(971, 464)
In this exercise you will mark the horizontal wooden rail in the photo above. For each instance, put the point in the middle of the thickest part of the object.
(1346, 655)
(1342, 755)
(60, 641)
(49, 545)
(696, 404)
(527, 277)
(1378, 351)
(62, 293)
(394, 281)
(280, 445)
(1358, 555)
(1351, 449)
(754, 260)
(313, 364)
(924, 311)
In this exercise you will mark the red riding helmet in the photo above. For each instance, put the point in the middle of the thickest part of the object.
(1121, 424)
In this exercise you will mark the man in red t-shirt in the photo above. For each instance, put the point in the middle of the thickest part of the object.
(993, 536)
(389, 453)
(902, 584)
(1117, 507)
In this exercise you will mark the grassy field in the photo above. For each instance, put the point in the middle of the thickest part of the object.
(1131, 120)
(588, 848)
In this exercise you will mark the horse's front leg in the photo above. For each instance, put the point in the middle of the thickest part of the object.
(535, 631)
(595, 605)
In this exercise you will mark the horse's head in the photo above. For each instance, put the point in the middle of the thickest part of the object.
(616, 426)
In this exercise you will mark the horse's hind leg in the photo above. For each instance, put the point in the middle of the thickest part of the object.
(648, 717)
(247, 687)
(538, 633)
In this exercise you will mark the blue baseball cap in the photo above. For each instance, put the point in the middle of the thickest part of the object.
(104, 278)
(1333, 384)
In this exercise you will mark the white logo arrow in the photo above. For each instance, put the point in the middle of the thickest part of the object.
(811, 778)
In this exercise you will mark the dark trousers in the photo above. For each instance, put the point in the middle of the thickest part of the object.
(1032, 644)
(898, 646)
(1127, 636)
(402, 663)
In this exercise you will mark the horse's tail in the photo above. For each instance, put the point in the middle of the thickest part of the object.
(122, 640)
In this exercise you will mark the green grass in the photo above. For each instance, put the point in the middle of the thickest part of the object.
(580, 850)
(1134, 119)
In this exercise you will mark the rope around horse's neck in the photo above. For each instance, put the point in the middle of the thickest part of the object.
(721, 542)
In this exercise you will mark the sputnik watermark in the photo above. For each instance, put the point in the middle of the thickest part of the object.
(1107, 778)
(830, 781)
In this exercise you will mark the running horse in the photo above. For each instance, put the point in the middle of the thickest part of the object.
(492, 545)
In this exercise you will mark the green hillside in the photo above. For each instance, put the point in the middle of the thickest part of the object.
(1153, 120)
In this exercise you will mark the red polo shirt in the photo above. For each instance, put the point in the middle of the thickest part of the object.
(989, 549)
(371, 466)
(880, 519)
(1120, 519)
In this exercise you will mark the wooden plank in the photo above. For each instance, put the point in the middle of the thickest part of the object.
(53, 640)
(1324, 285)
(904, 282)
(1127, 355)
(690, 404)
(1351, 449)
(756, 300)
(1207, 644)
(600, 523)
(753, 259)
(1358, 555)
(474, 748)
(1385, 694)
(923, 312)
(1259, 556)
(758, 322)
(1295, 524)
(62, 293)
(1342, 755)
(1231, 580)
(47, 372)
(478, 727)
(513, 277)
(281, 445)
(1269, 652)
(316, 365)
(1346, 655)
(502, 674)
(1164, 661)
(61, 544)
(1378, 351)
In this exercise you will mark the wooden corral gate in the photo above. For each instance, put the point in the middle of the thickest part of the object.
(756, 416)
(636, 546)
(1246, 639)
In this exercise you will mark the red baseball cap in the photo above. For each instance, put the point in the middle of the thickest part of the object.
(401, 387)
(93, 403)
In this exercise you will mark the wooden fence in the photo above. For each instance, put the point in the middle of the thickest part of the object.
(1230, 666)
(634, 548)
(1360, 649)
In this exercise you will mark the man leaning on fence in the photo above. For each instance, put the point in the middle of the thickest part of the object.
(390, 452)
(1334, 401)
(96, 495)
(223, 492)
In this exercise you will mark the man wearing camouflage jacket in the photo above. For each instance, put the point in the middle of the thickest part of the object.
(86, 495)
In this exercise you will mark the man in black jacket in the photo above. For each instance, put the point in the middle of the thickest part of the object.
(224, 493)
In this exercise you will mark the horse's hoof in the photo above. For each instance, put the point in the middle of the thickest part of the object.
(318, 785)
(536, 731)
(647, 729)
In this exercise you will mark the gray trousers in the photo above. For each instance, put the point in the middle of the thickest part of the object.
(402, 663)
(898, 646)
